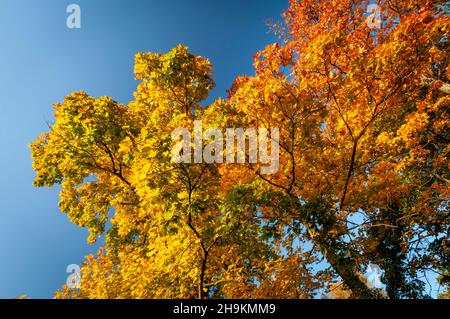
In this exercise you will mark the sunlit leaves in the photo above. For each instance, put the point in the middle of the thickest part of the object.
(364, 125)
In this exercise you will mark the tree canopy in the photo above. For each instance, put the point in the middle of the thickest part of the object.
(364, 137)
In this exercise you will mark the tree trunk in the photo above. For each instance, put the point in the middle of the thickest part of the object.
(345, 266)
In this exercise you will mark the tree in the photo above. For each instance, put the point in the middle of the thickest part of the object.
(363, 117)
(174, 233)
(364, 134)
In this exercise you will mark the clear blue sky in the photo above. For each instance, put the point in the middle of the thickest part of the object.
(41, 61)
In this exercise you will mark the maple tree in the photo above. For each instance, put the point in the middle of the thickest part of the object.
(363, 116)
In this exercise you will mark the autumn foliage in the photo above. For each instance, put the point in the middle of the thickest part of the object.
(364, 120)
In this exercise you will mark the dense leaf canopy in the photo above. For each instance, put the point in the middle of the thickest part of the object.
(364, 121)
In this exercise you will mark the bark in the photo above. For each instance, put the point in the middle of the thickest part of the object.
(345, 266)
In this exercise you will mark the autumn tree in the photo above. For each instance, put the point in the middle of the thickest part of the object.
(364, 121)
(362, 110)
(174, 232)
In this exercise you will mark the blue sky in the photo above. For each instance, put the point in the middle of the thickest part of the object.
(41, 61)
